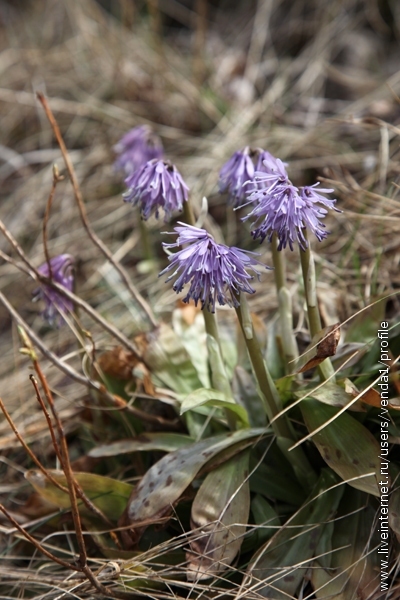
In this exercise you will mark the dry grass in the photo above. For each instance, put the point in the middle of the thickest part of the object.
(315, 83)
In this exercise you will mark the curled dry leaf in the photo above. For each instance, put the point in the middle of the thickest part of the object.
(124, 365)
(373, 398)
(188, 311)
(320, 350)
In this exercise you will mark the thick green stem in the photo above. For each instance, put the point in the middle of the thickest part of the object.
(279, 264)
(326, 369)
(218, 376)
(271, 399)
(289, 343)
(267, 387)
(188, 214)
(145, 239)
(211, 325)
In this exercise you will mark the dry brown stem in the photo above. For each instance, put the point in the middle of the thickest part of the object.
(78, 197)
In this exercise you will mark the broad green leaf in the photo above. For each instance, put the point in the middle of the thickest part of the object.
(213, 398)
(192, 335)
(330, 393)
(278, 568)
(166, 442)
(219, 377)
(270, 481)
(354, 560)
(219, 517)
(324, 547)
(169, 361)
(246, 395)
(109, 495)
(160, 488)
(345, 445)
(265, 517)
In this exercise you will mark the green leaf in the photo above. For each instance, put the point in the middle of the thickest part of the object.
(109, 495)
(219, 377)
(160, 488)
(330, 393)
(219, 518)
(213, 398)
(272, 482)
(193, 337)
(265, 517)
(278, 568)
(354, 568)
(345, 445)
(169, 361)
(166, 442)
(246, 395)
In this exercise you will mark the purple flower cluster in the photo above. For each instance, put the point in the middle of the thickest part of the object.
(280, 207)
(238, 176)
(215, 272)
(62, 272)
(157, 184)
(136, 148)
(283, 209)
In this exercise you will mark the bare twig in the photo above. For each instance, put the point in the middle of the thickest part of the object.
(78, 197)
(72, 485)
(37, 545)
(56, 179)
(199, 41)
(28, 450)
(81, 494)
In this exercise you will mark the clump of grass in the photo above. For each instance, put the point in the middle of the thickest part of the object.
(266, 501)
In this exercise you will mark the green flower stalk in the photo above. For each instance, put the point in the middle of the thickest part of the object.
(219, 274)
(289, 343)
(272, 403)
(326, 369)
(283, 214)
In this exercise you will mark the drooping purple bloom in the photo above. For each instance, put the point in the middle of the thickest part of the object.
(157, 184)
(215, 272)
(270, 173)
(240, 174)
(235, 175)
(62, 272)
(267, 163)
(283, 209)
(136, 148)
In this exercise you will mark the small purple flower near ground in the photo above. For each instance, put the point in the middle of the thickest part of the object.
(215, 272)
(136, 148)
(157, 184)
(62, 272)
